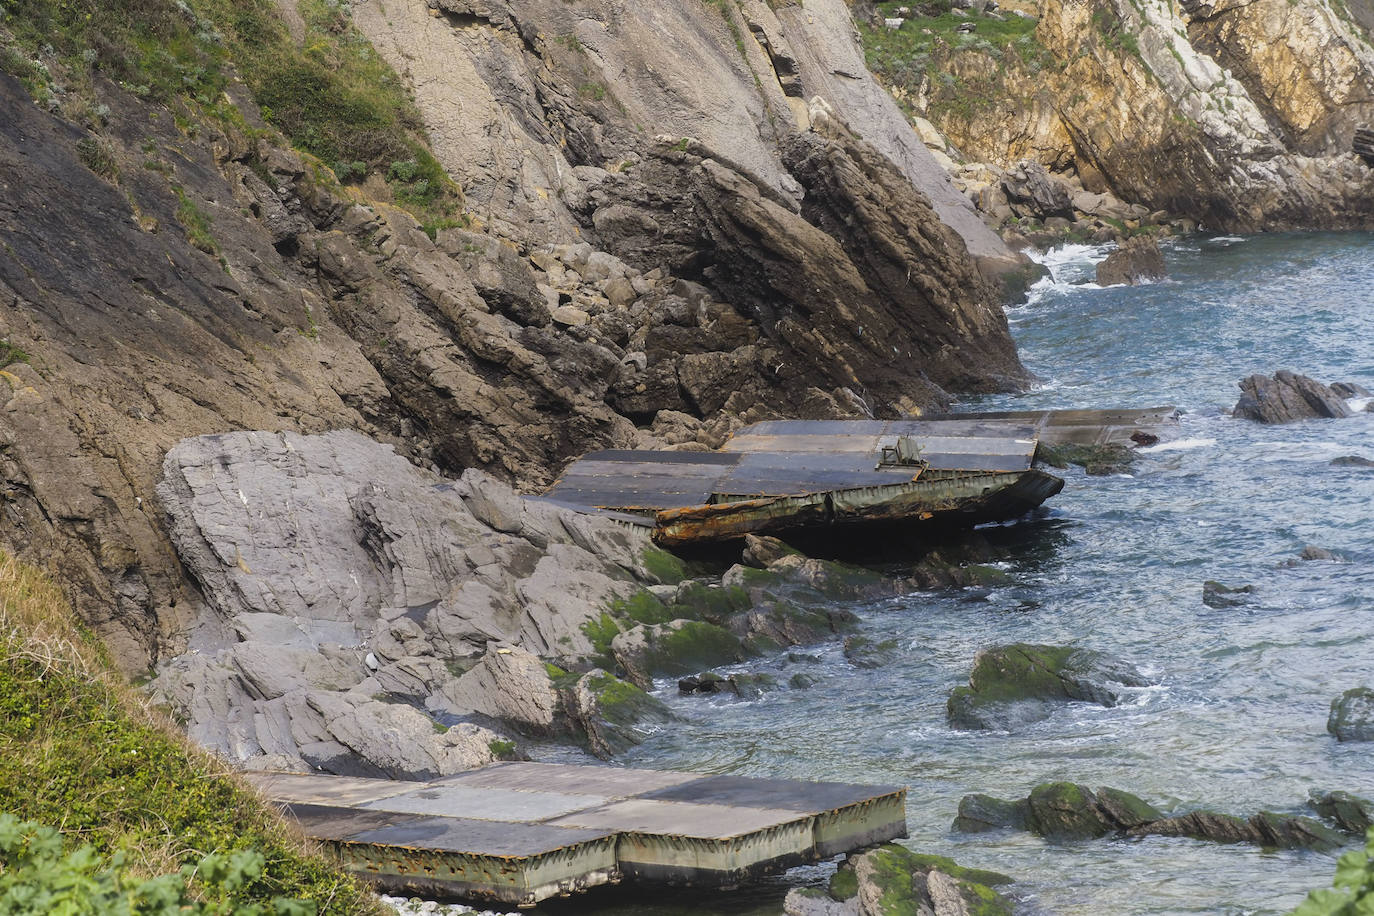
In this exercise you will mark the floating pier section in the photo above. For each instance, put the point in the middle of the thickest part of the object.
(519, 833)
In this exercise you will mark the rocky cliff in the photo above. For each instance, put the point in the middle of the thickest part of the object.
(661, 240)
(1237, 115)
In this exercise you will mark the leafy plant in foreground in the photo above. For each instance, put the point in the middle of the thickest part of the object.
(1353, 891)
(38, 877)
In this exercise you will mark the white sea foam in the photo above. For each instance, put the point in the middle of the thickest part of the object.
(1178, 445)
(1071, 267)
(1225, 240)
(1359, 405)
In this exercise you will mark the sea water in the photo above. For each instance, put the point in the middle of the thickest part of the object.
(1237, 722)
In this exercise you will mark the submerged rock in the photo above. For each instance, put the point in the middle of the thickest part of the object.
(1352, 461)
(862, 652)
(1288, 397)
(1137, 260)
(1352, 715)
(1216, 595)
(980, 813)
(1096, 460)
(1020, 683)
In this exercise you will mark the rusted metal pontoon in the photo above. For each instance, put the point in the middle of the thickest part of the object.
(787, 476)
(519, 833)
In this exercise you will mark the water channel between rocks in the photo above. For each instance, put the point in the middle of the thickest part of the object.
(1117, 564)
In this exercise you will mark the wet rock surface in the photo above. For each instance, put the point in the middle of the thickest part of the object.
(1352, 715)
(1136, 260)
(1287, 396)
(1065, 811)
(1020, 683)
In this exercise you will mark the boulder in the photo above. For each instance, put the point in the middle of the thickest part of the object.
(1350, 813)
(1352, 461)
(1033, 192)
(1287, 397)
(1216, 595)
(763, 551)
(1136, 260)
(980, 813)
(1352, 715)
(1066, 811)
(1020, 683)
(893, 879)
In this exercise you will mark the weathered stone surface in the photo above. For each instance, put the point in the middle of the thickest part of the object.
(1020, 683)
(1287, 397)
(763, 551)
(1352, 715)
(1065, 811)
(336, 571)
(1136, 260)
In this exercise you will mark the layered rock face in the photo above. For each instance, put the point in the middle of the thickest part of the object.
(1238, 115)
(609, 289)
(530, 100)
(367, 616)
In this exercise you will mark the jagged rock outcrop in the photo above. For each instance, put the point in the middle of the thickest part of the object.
(1287, 397)
(1238, 115)
(511, 344)
(563, 93)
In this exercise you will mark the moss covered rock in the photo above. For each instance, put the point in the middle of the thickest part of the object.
(1066, 811)
(612, 714)
(1352, 715)
(862, 652)
(1096, 460)
(1019, 683)
(893, 879)
(674, 648)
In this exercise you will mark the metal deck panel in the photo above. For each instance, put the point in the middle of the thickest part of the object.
(478, 837)
(779, 794)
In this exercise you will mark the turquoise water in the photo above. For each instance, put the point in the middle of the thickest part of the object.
(1238, 721)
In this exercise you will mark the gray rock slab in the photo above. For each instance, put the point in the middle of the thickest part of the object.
(671, 818)
(309, 789)
(609, 782)
(484, 803)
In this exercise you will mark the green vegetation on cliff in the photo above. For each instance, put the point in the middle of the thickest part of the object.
(326, 89)
(79, 751)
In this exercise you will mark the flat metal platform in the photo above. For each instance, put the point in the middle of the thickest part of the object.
(523, 832)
